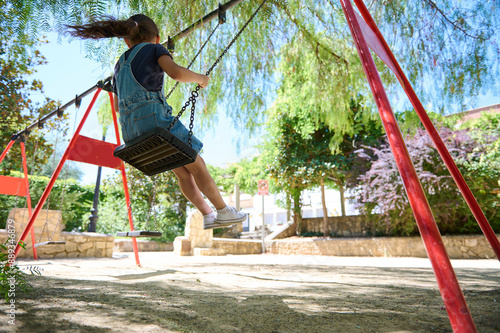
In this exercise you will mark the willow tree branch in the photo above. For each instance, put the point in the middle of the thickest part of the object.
(310, 37)
(446, 18)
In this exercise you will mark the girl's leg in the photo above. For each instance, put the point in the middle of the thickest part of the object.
(190, 189)
(205, 182)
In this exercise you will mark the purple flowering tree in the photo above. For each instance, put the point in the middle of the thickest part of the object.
(381, 194)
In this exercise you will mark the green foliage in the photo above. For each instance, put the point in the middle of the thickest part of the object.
(307, 40)
(381, 190)
(104, 115)
(246, 173)
(453, 44)
(12, 280)
(18, 60)
(157, 204)
(74, 200)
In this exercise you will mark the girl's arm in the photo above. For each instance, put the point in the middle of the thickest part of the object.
(180, 73)
(115, 102)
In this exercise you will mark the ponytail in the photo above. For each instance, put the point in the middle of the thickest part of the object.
(138, 28)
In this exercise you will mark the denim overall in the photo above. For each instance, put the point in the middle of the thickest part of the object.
(142, 110)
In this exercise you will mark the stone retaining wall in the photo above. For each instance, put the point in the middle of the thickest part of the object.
(125, 245)
(78, 245)
(347, 226)
(238, 246)
(49, 226)
(458, 247)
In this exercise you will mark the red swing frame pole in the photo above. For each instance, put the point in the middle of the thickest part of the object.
(429, 126)
(124, 179)
(6, 150)
(458, 311)
(56, 173)
(28, 198)
(26, 182)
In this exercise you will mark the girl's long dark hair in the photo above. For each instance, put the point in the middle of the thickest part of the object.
(138, 28)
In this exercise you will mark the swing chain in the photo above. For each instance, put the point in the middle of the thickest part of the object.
(153, 202)
(194, 93)
(235, 38)
(192, 101)
(194, 58)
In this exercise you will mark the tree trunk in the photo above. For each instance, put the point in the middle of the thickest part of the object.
(297, 214)
(325, 211)
(342, 199)
(288, 207)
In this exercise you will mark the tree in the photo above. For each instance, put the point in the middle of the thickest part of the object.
(246, 173)
(17, 109)
(298, 161)
(451, 43)
(381, 190)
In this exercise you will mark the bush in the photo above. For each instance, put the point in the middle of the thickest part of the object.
(167, 214)
(381, 189)
(12, 279)
(72, 199)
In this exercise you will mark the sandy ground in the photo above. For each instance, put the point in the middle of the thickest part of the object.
(253, 293)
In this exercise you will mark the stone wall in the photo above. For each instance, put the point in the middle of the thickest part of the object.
(125, 245)
(49, 226)
(458, 247)
(237, 246)
(347, 226)
(196, 240)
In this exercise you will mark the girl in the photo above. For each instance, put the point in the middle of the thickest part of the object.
(138, 87)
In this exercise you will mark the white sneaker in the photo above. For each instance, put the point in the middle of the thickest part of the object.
(208, 221)
(229, 215)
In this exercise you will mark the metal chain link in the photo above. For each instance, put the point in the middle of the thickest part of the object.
(194, 93)
(152, 205)
(193, 60)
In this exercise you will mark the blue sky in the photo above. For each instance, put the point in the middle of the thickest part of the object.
(68, 73)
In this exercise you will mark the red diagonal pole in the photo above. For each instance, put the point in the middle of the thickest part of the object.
(458, 311)
(56, 173)
(429, 126)
(6, 150)
(124, 179)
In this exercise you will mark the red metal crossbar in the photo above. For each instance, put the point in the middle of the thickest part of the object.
(13, 186)
(96, 152)
(458, 311)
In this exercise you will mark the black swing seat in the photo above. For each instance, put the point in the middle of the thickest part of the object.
(139, 233)
(50, 243)
(156, 151)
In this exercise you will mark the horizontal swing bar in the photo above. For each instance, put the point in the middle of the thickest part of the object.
(139, 233)
(59, 111)
(201, 22)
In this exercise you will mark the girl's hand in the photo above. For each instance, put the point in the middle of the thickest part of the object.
(203, 82)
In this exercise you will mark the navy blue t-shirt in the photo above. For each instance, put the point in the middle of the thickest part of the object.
(145, 66)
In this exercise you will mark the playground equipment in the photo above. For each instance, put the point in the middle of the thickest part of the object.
(18, 186)
(365, 34)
